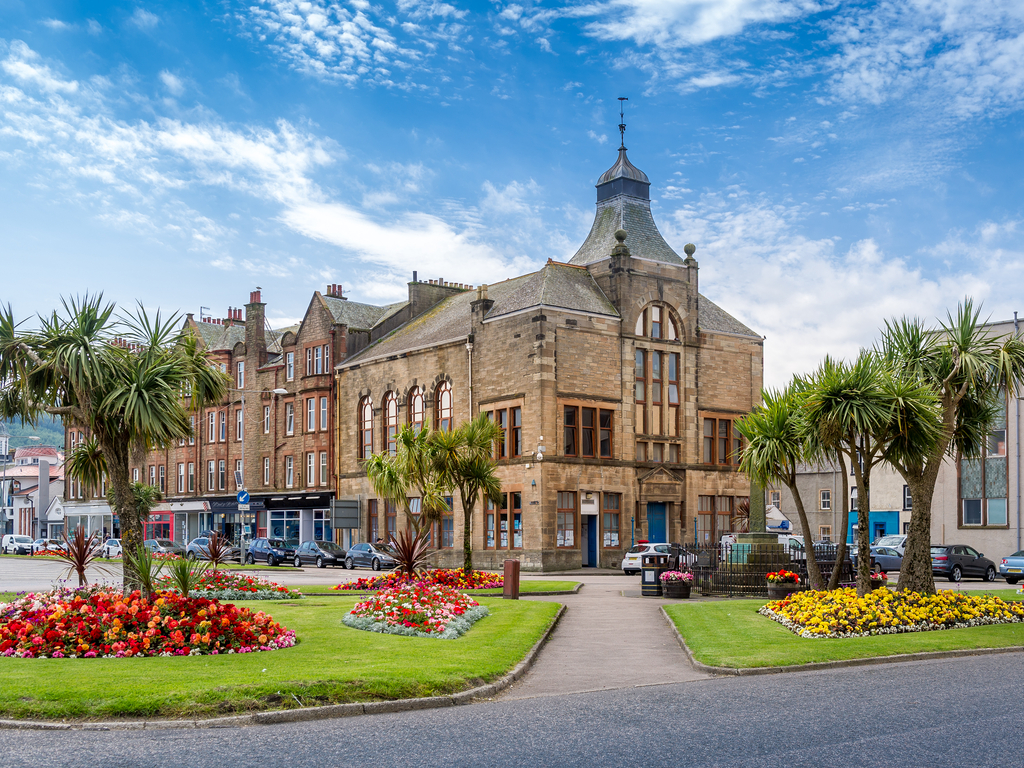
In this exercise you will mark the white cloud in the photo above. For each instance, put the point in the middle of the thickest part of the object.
(24, 65)
(813, 297)
(143, 19)
(599, 138)
(172, 83)
(56, 25)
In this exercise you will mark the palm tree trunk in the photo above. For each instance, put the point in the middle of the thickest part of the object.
(916, 569)
(863, 524)
(132, 529)
(467, 541)
(833, 582)
(813, 572)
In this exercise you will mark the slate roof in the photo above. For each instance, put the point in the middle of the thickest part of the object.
(642, 236)
(353, 314)
(711, 317)
(216, 336)
(623, 169)
(556, 285)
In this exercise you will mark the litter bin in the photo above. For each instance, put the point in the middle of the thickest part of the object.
(652, 565)
(510, 590)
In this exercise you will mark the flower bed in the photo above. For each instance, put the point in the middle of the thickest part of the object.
(841, 613)
(103, 622)
(231, 585)
(448, 577)
(681, 577)
(47, 553)
(418, 610)
(782, 576)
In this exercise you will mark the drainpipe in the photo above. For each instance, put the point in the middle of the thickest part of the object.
(1016, 429)
(469, 352)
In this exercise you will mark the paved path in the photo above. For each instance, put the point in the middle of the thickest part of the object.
(605, 641)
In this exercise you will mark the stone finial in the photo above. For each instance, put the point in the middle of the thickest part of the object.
(689, 249)
(620, 235)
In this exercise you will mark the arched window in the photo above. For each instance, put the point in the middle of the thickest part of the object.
(365, 428)
(416, 409)
(657, 322)
(444, 407)
(391, 422)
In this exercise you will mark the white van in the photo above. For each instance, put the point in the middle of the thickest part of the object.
(13, 544)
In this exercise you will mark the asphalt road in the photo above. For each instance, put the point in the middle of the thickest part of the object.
(938, 713)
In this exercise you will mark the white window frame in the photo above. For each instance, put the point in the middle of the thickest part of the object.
(289, 418)
(223, 433)
(240, 374)
(289, 366)
(825, 499)
(222, 474)
(239, 424)
(266, 419)
(211, 475)
(323, 414)
(310, 469)
(181, 477)
(311, 414)
(323, 467)
(289, 471)
(266, 470)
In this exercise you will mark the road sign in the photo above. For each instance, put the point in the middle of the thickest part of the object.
(243, 507)
(243, 497)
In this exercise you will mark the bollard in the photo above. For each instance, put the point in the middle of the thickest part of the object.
(510, 590)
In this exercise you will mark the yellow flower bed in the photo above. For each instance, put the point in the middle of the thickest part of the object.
(841, 613)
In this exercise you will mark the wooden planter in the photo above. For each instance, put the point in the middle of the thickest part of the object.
(679, 590)
(778, 591)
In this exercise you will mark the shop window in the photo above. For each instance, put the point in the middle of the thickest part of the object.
(565, 520)
(322, 525)
(610, 520)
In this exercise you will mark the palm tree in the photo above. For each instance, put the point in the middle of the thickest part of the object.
(776, 443)
(864, 412)
(464, 459)
(965, 368)
(130, 380)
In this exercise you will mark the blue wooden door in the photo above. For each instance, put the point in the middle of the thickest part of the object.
(656, 528)
(592, 541)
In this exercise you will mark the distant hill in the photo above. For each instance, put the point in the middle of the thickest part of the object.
(50, 430)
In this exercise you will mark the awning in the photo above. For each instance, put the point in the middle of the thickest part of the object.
(298, 501)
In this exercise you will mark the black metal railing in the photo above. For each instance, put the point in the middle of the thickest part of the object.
(738, 570)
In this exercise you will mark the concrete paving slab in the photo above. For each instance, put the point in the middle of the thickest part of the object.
(606, 641)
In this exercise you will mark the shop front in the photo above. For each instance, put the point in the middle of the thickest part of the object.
(297, 518)
(93, 517)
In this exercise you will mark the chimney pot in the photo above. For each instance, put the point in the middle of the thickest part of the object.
(414, 276)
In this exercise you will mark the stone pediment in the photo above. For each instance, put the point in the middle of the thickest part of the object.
(659, 475)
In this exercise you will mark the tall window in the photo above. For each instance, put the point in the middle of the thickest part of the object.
(327, 358)
(289, 366)
(416, 409)
(501, 418)
(365, 429)
(983, 482)
(714, 517)
(211, 476)
(656, 377)
(503, 526)
(152, 475)
(391, 422)
(606, 434)
(640, 374)
(289, 471)
(266, 419)
(673, 378)
(318, 360)
(191, 477)
(587, 431)
(223, 426)
(775, 499)
(240, 374)
(323, 467)
(825, 532)
(309, 361)
(610, 520)
(908, 502)
(163, 479)
(181, 478)
(310, 469)
(444, 407)
(238, 424)
(289, 418)
(212, 430)
(311, 414)
(323, 413)
(722, 443)
(222, 474)
(570, 428)
(266, 470)
(825, 499)
(510, 444)
(239, 480)
(565, 519)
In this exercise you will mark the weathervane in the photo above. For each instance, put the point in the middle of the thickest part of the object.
(622, 123)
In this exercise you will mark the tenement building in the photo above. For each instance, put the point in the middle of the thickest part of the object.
(617, 384)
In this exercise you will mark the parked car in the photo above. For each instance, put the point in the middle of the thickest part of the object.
(43, 544)
(954, 561)
(197, 549)
(14, 544)
(165, 547)
(632, 561)
(886, 559)
(111, 548)
(894, 541)
(367, 555)
(323, 553)
(270, 551)
(1011, 567)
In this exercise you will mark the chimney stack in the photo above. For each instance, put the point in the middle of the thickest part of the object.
(255, 336)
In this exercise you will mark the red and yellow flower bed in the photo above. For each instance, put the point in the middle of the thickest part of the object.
(448, 577)
(106, 623)
(419, 610)
(840, 613)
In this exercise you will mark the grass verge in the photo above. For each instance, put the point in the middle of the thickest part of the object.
(732, 634)
(525, 588)
(331, 664)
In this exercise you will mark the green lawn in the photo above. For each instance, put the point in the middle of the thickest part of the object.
(732, 634)
(102, 561)
(525, 587)
(331, 664)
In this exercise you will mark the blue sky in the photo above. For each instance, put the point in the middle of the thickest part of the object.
(835, 164)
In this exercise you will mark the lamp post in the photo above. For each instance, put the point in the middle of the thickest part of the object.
(240, 481)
